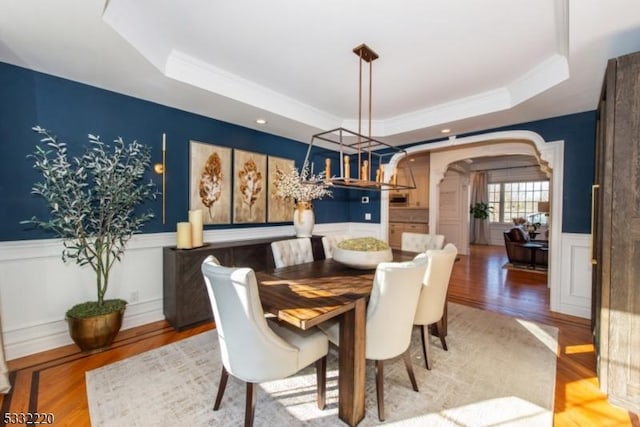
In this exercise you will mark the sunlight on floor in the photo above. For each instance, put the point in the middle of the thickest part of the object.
(502, 411)
(549, 341)
(577, 349)
(591, 404)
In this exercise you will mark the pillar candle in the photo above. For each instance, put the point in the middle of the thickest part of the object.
(347, 170)
(365, 171)
(195, 219)
(183, 236)
(327, 169)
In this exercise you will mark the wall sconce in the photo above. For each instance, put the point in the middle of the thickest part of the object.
(161, 169)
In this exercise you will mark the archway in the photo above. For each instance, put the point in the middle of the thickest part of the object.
(550, 157)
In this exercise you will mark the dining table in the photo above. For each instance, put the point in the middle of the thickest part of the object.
(305, 295)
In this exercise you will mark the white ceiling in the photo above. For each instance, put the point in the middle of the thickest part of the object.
(466, 65)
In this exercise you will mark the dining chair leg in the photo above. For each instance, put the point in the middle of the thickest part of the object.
(407, 362)
(250, 405)
(424, 333)
(221, 387)
(380, 388)
(321, 381)
(439, 330)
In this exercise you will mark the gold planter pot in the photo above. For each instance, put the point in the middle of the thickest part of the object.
(94, 334)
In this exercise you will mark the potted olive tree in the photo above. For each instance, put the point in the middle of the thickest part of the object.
(92, 201)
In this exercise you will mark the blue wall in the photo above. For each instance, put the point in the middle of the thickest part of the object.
(578, 132)
(72, 110)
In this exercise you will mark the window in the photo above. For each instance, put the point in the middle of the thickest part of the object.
(518, 199)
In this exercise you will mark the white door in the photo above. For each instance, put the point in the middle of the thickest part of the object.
(453, 216)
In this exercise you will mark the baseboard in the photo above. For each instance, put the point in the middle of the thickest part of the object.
(47, 336)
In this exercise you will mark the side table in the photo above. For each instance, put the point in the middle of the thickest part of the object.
(532, 247)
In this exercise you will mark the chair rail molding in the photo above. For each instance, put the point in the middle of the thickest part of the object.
(37, 287)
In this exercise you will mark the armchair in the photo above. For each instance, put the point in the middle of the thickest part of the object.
(252, 349)
(433, 295)
(419, 242)
(390, 313)
(292, 252)
(514, 238)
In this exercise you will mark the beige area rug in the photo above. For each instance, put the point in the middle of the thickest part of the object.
(539, 270)
(499, 371)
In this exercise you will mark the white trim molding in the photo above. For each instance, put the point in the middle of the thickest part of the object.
(550, 157)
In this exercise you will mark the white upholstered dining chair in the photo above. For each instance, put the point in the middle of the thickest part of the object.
(291, 251)
(252, 349)
(419, 242)
(390, 314)
(433, 295)
(330, 241)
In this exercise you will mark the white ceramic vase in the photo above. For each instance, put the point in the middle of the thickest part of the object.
(303, 219)
(362, 260)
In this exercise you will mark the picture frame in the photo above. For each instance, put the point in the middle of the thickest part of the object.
(210, 181)
(249, 188)
(278, 209)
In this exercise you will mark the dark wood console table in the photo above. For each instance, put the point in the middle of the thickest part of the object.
(185, 299)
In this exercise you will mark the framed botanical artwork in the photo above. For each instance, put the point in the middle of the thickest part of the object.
(249, 188)
(210, 182)
(278, 209)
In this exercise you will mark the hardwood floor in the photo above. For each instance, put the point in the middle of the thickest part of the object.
(53, 381)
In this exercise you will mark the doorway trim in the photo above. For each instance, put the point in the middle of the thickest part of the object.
(550, 156)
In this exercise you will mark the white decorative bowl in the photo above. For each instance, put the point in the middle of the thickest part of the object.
(363, 260)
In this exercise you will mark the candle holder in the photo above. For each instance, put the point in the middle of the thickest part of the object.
(366, 152)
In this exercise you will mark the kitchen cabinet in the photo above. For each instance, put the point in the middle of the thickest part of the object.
(397, 228)
(419, 196)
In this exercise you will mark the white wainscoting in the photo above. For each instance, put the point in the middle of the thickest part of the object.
(36, 287)
(575, 292)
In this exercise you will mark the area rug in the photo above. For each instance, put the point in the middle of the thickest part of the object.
(499, 371)
(539, 270)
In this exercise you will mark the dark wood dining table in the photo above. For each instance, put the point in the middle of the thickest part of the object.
(308, 294)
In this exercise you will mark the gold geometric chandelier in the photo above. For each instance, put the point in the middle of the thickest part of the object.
(361, 158)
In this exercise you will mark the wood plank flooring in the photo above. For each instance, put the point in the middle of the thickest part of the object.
(53, 381)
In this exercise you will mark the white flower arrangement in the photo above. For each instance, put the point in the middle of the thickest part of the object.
(300, 186)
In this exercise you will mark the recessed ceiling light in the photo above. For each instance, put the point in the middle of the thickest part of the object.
(261, 121)
(445, 130)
